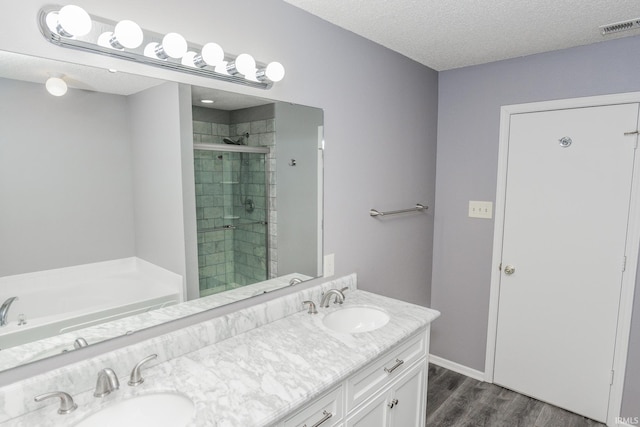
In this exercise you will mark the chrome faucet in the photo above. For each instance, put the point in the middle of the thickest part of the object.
(327, 296)
(4, 310)
(107, 382)
(79, 343)
(135, 379)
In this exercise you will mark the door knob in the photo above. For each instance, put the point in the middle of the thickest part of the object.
(509, 270)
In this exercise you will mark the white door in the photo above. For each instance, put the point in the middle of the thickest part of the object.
(565, 224)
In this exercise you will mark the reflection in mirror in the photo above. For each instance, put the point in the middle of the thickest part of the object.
(98, 234)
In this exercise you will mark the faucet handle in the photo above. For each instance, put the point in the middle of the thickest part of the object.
(338, 300)
(136, 377)
(67, 405)
(312, 307)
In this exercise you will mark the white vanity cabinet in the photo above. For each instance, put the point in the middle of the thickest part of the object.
(388, 392)
(325, 411)
(400, 405)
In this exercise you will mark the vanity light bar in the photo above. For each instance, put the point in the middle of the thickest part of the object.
(71, 27)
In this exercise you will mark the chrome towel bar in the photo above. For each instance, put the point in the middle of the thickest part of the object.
(419, 207)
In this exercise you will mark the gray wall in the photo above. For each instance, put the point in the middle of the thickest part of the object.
(380, 126)
(65, 179)
(157, 177)
(468, 124)
(297, 138)
(380, 118)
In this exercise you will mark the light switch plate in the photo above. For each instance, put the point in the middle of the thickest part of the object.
(479, 209)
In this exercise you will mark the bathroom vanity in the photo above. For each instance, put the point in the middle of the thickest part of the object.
(273, 364)
(390, 391)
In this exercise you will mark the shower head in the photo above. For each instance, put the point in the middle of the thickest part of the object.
(239, 141)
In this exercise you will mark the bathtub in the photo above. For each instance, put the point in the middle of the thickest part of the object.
(55, 302)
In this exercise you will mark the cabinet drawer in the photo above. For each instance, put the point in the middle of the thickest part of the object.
(328, 408)
(374, 376)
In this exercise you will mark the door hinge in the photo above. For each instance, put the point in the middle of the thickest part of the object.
(611, 382)
(624, 263)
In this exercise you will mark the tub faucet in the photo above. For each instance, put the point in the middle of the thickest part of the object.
(79, 343)
(107, 382)
(4, 310)
(327, 296)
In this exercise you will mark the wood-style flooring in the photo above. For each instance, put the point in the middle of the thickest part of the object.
(457, 400)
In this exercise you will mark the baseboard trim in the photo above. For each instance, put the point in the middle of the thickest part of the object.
(456, 367)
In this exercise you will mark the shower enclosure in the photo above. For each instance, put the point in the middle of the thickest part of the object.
(231, 209)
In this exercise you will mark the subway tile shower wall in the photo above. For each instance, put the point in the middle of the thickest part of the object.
(235, 189)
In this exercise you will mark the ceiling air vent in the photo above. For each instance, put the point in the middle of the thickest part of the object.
(632, 24)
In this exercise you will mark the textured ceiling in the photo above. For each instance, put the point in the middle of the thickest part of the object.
(446, 34)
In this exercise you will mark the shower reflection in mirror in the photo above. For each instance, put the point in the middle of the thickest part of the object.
(232, 197)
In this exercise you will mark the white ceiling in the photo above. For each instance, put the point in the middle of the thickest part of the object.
(37, 70)
(447, 34)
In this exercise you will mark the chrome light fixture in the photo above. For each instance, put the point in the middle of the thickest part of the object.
(72, 27)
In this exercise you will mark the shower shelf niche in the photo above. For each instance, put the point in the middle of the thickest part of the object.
(231, 217)
(229, 182)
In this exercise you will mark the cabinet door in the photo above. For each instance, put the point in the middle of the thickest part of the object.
(408, 403)
(373, 414)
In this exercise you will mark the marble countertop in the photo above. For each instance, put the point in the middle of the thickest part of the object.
(39, 349)
(258, 377)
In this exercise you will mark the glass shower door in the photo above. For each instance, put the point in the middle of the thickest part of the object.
(231, 209)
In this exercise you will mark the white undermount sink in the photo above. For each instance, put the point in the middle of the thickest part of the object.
(153, 410)
(352, 320)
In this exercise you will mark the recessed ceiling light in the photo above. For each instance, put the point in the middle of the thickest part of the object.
(112, 70)
(207, 101)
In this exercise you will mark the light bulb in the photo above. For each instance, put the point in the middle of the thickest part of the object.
(56, 86)
(150, 50)
(127, 34)
(274, 71)
(73, 21)
(103, 39)
(252, 76)
(52, 21)
(245, 64)
(173, 46)
(211, 54)
(221, 68)
(188, 59)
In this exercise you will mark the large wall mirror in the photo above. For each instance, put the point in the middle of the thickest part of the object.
(129, 202)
